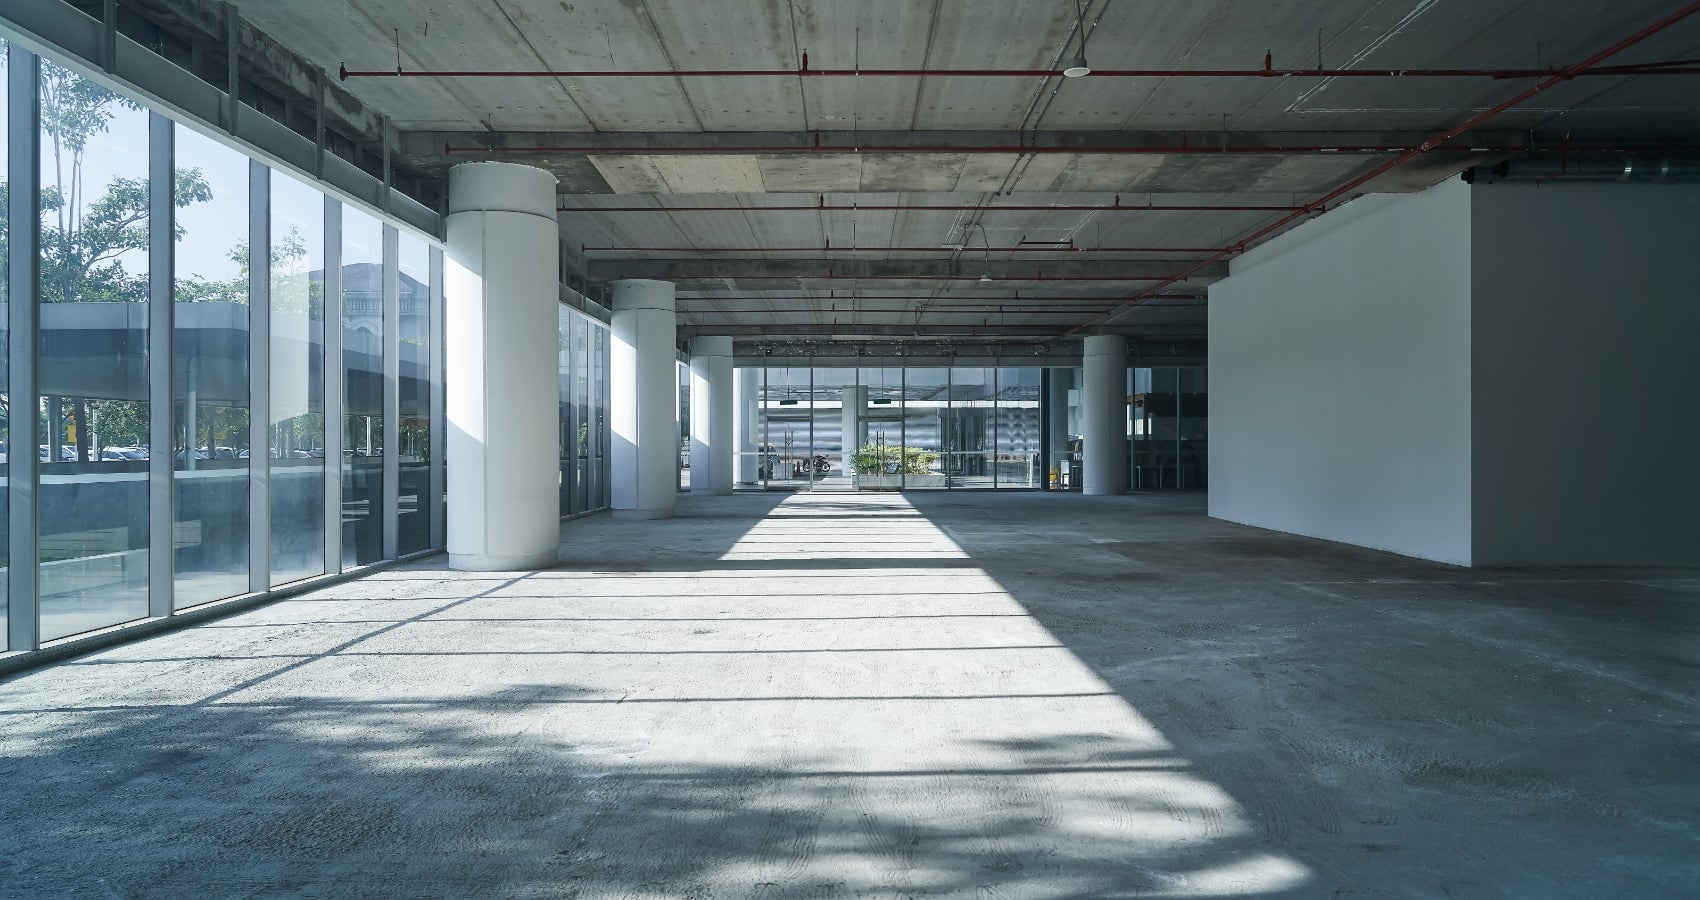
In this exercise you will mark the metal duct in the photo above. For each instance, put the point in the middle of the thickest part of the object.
(1626, 167)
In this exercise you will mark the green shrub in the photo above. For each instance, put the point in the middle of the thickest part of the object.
(888, 460)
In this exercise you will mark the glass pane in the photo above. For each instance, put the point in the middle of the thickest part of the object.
(413, 463)
(1194, 421)
(599, 431)
(786, 418)
(210, 372)
(363, 387)
(879, 443)
(565, 439)
(5, 358)
(297, 427)
(92, 355)
(580, 434)
(1017, 461)
(970, 427)
(926, 403)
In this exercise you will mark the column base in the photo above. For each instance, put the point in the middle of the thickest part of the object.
(504, 562)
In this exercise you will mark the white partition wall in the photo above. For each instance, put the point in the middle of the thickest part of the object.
(502, 378)
(1488, 375)
(643, 399)
(1340, 378)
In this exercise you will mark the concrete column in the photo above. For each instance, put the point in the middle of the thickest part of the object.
(501, 381)
(854, 407)
(711, 415)
(1103, 414)
(643, 390)
(747, 422)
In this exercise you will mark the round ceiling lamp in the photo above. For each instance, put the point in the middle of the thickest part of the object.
(1076, 65)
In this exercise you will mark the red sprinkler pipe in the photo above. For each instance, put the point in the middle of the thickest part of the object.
(976, 251)
(1321, 203)
(1184, 148)
(823, 206)
(816, 146)
(1669, 67)
(712, 276)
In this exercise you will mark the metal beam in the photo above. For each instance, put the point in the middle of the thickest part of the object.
(964, 269)
(541, 143)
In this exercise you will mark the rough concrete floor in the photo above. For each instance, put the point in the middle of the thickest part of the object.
(995, 696)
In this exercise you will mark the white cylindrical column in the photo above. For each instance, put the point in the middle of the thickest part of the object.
(711, 415)
(747, 423)
(853, 407)
(501, 378)
(1103, 414)
(643, 391)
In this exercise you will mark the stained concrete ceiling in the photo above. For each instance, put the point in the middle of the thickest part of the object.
(708, 154)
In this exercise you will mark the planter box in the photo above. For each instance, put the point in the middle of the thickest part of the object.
(897, 482)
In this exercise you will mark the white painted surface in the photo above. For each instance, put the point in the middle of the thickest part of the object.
(1340, 378)
(1587, 428)
(747, 422)
(501, 378)
(711, 415)
(1103, 414)
(853, 409)
(643, 400)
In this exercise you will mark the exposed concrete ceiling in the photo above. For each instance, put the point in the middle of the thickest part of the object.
(728, 147)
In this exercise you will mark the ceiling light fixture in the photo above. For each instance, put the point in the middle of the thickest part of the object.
(1077, 66)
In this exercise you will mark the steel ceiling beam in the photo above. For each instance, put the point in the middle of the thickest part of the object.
(642, 143)
(966, 270)
(1663, 67)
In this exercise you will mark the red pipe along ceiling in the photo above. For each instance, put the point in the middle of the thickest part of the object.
(1184, 147)
(1664, 67)
(823, 206)
(970, 250)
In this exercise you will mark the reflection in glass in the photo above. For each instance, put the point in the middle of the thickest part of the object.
(5, 358)
(363, 387)
(926, 403)
(92, 356)
(970, 427)
(413, 515)
(1017, 460)
(599, 432)
(210, 372)
(297, 427)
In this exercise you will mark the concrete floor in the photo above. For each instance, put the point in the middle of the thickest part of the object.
(976, 695)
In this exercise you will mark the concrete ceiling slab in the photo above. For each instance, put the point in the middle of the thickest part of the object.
(697, 124)
(805, 173)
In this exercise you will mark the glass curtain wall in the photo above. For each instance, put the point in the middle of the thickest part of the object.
(1017, 463)
(92, 355)
(133, 212)
(297, 434)
(363, 342)
(923, 427)
(583, 393)
(5, 345)
(209, 372)
(1168, 428)
(413, 432)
